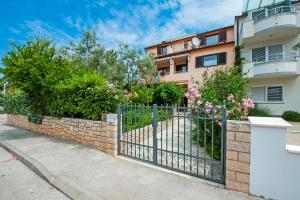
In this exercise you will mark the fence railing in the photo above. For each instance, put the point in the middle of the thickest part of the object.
(259, 15)
(278, 57)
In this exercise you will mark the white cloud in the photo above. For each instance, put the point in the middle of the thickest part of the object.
(142, 25)
(43, 29)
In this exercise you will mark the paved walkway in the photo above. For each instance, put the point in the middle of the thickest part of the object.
(19, 182)
(101, 176)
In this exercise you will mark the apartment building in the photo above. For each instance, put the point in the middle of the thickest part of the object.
(186, 58)
(269, 32)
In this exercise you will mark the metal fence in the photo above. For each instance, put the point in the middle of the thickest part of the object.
(184, 139)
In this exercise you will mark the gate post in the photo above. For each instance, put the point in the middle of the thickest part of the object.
(154, 125)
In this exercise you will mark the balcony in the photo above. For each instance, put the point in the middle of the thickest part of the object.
(275, 65)
(269, 24)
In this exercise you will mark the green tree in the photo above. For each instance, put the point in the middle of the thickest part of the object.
(91, 55)
(35, 68)
(147, 71)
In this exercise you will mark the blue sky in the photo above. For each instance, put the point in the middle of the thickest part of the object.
(137, 22)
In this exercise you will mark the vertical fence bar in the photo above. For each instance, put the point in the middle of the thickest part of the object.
(191, 139)
(178, 130)
(167, 123)
(223, 143)
(139, 125)
(212, 143)
(132, 126)
(119, 129)
(184, 110)
(161, 133)
(198, 137)
(172, 133)
(205, 118)
(155, 134)
(143, 135)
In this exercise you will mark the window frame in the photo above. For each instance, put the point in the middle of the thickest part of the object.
(266, 94)
(267, 52)
(215, 54)
(162, 50)
(180, 65)
(218, 36)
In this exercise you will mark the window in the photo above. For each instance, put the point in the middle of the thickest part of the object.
(265, 94)
(259, 54)
(165, 70)
(275, 52)
(211, 60)
(258, 94)
(275, 93)
(186, 44)
(164, 50)
(211, 40)
(181, 68)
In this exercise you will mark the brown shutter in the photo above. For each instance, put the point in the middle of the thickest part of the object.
(202, 41)
(222, 58)
(223, 36)
(199, 61)
(158, 50)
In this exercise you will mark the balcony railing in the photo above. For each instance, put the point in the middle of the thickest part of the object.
(268, 12)
(278, 57)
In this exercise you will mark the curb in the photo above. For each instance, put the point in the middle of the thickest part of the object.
(63, 186)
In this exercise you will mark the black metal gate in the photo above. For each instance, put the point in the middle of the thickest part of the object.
(184, 139)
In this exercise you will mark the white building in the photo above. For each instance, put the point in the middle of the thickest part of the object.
(269, 31)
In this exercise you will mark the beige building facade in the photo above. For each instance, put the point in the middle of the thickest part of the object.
(181, 61)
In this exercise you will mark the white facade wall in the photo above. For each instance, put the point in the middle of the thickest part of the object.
(274, 171)
(279, 29)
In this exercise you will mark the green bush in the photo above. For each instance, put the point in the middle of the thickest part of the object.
(260, 112)
(222, 83)
(16, 102)
(291, 116)
(168, 93)
(85, 96)
(141, 94)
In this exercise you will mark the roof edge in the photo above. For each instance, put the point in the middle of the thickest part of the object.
(189, 36)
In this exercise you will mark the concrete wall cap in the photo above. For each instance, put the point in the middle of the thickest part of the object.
(269, 122)
(293, 148)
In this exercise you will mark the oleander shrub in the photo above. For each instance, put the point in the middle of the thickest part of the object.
(291, 116)
(141, 94)
(168, 93)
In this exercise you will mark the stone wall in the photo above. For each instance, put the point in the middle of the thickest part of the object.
(238, 156)
(98, 134)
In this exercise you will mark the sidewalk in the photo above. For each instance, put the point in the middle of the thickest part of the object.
(100, 176)
(19, 182)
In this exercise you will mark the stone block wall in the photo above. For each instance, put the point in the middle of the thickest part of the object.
(238, 155)
(97, 134)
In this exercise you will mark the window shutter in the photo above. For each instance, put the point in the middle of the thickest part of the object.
(223, 36)
(258, 94)
(222, 58)
(259, 54)
(275, 93)
(158, 50)
(202, 41)
(199, 61)
(276, 52)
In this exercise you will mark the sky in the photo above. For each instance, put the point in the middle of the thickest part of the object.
(139, 23)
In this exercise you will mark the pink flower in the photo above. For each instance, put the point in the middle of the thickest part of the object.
(196, 110)
(199, 102)
(230, 98)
